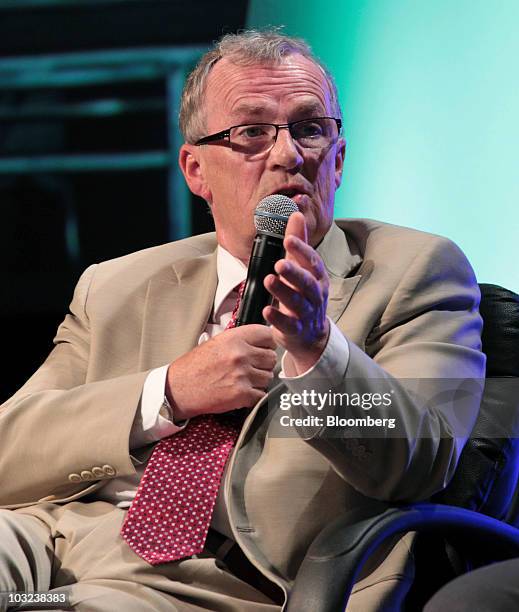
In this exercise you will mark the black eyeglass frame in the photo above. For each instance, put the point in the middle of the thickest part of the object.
(226, 134)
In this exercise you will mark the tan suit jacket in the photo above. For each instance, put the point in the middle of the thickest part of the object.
(406, 301)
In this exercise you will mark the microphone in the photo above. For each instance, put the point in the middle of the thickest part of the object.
(270, 218)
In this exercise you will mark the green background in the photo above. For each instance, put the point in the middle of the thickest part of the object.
(430, 95)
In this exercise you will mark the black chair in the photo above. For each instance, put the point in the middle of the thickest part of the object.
(472, 522)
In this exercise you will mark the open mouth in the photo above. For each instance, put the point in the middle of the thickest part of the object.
(290, 193)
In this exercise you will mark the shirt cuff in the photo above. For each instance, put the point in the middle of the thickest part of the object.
(150, 426)
(329, 368)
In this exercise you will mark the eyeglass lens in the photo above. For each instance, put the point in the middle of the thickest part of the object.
(309, 133)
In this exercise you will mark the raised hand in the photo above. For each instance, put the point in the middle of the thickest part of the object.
(299, 320)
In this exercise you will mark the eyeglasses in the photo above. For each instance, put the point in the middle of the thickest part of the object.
(255, 138)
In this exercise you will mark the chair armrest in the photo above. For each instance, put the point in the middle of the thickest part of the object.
(337, 555)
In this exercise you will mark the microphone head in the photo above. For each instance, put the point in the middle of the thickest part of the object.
(271, 214)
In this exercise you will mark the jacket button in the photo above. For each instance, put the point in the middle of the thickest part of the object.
(108, 470)
(74, 477)
(98, 472)
(87, 475)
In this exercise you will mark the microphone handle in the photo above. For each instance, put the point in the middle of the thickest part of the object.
(266, 250)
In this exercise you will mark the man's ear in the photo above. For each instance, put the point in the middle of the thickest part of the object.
(340, 154)
(189, 162)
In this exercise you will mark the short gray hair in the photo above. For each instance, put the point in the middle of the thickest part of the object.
(245, 48)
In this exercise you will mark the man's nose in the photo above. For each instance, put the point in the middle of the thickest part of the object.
(285, 152)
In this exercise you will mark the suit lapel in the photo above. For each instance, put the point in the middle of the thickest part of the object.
(340, 262)
(179, 302)
(341, 290)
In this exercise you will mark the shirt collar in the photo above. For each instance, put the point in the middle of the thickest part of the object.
(231, 271)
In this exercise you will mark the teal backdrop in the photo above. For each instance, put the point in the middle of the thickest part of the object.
(430, 95)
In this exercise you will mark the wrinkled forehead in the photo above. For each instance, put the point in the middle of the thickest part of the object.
(295, 79)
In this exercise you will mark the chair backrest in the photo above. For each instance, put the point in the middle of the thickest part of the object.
(486, 479)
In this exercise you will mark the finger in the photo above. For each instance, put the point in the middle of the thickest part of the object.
(256, 335)
(261, 379)
(299, 280)
(292, 299)
(305, 255)
(263, 359)
(287, 325)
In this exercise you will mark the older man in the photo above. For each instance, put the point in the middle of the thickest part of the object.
(146, 364)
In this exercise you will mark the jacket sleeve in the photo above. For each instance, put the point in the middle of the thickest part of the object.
(59, 433)
(424, 357)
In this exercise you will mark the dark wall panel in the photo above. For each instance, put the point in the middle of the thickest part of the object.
(75, 26)
(55, 224)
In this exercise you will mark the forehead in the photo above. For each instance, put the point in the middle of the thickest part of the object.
(294, 86)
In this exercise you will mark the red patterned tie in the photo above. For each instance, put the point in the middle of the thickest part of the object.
(171, 513)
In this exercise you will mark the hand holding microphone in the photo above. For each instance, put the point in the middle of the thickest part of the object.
(245, 355)
(233, 369)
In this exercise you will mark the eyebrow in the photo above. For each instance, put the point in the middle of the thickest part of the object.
(249, 109)
(257, 110)
(311, 108)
